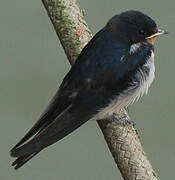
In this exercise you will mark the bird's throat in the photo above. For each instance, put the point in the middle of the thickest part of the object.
(151, 40)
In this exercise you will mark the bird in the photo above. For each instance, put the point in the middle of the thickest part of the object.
(113, 70)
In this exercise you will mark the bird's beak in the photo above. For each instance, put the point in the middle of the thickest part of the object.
(158, 33)
(151, 39)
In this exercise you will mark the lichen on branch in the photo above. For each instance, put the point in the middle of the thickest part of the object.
(70, 26)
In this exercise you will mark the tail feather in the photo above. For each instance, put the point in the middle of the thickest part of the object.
(64, 124)
(22, 160)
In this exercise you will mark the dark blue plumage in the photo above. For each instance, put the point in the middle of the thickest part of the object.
(113, 70)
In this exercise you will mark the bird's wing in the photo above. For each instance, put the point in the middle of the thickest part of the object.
(84, 107)
(75, 80)
(69, 89)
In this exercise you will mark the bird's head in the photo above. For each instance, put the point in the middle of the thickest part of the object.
(133, 27)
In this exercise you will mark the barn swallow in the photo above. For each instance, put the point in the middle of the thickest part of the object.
(113, 70)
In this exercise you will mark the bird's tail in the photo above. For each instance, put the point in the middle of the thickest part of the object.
(65, 123)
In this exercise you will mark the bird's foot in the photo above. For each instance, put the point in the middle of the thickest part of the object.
(125, 122)
(121, 121)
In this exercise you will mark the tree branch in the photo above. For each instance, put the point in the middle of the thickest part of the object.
(123, 141)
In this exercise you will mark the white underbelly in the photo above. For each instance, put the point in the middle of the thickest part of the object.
(132, 94)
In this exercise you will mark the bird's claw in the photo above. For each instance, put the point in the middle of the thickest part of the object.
(120, 121)
(125, 122)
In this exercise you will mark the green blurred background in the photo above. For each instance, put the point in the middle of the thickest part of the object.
(32, 65)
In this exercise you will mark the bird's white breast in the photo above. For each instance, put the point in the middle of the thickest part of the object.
(134, 92)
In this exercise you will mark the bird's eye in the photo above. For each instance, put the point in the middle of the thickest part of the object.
(142, 32)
